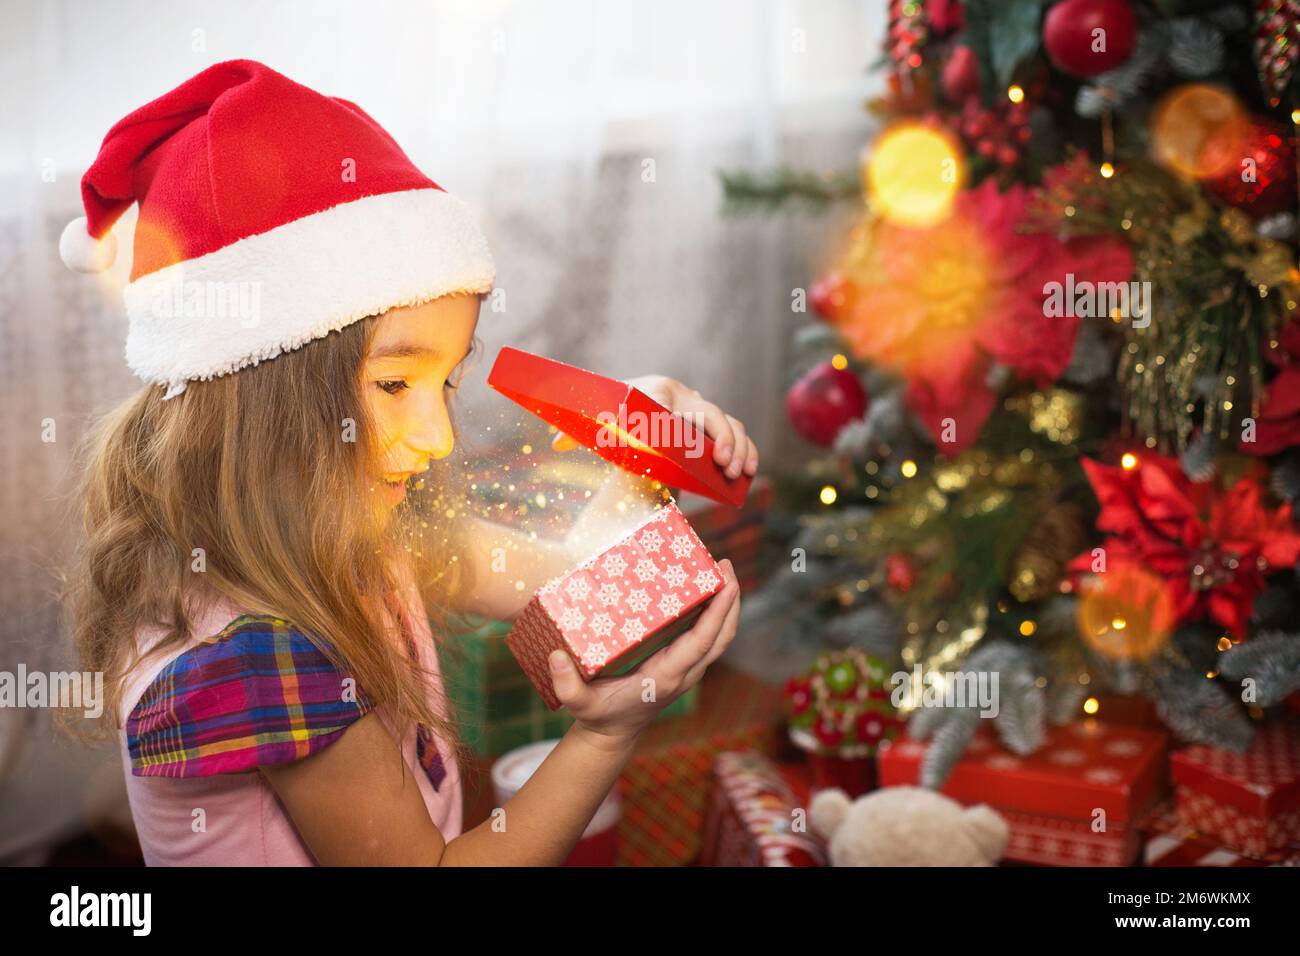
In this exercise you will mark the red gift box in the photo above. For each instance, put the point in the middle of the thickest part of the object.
(1050, 798)
(1246, 801)
(753, 815)
(665, 786)
(616, 608)
(618, 421)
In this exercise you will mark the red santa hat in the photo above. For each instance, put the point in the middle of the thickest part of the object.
(270, 215)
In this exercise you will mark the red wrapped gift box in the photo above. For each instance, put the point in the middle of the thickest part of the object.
(752, 817)
(665, 787)
(1050, 798)
(618, 421)
(618, 607)
(1249, 801)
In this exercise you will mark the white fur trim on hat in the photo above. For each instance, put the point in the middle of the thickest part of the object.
(276, 291)
(81, 251)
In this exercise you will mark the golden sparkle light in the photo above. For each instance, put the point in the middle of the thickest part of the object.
(1015, 93)
(913, 173)
(828, 495)
(1091, 705)
(908, 468)
(1128, 461)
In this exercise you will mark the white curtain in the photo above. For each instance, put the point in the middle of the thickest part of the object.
(587, 135)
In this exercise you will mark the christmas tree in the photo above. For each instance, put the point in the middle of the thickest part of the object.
(1055, 367)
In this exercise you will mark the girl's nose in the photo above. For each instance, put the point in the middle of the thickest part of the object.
(430, 433)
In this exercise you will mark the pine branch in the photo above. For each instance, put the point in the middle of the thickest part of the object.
(745, 191)
(1198, 709)
(1271, 660)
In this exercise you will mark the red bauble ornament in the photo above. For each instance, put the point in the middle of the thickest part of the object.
(832, 296)
(823, 401)
(900, 572)
(945, 16)
(961, 75)
(1088, 37)
(1259, 174)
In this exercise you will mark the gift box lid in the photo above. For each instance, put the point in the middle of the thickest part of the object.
(1081, 768)
(1262, 781)
(605, 415)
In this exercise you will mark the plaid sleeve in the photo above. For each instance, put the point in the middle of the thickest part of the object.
(258, 693)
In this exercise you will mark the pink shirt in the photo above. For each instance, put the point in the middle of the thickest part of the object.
(243, 822)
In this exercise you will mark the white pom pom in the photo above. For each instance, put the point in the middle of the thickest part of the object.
(79, 250)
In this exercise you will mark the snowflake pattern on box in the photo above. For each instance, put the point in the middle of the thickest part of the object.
(610, 604)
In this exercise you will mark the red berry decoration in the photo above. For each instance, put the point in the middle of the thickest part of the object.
(850, 711)
(1088, 37)
(827, 733)
(823, 401)
(900, 572)
(961, 75)
(1259, 175)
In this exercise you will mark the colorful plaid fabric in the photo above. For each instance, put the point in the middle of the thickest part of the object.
(258, 693)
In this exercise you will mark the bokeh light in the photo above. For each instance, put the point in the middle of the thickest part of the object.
(1194, 130)
(913, 173)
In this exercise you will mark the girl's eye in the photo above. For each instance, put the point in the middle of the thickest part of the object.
(392, 386)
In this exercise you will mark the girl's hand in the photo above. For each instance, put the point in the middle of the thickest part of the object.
(613, 709)
(732, 448)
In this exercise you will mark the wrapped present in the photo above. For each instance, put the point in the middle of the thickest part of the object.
(1249, 801)
(755, 818)
(665, 786)
(1165, 849)
(617, 421)
(1077, 801)
(497, 706)
(739, 536)
(620, 606)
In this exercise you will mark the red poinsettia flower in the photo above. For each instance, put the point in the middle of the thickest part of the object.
(1212, 546)
(945, 306)
(1278, 425)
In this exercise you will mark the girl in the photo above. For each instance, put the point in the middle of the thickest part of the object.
(253, 584)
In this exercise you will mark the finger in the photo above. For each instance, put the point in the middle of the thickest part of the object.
(562, 442)
(569, 686)
(740, 450)
(751, 462)
(681, 654)
(728, 633)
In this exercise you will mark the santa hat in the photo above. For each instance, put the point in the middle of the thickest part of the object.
(270, 215)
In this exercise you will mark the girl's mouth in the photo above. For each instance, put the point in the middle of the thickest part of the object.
(394, 487)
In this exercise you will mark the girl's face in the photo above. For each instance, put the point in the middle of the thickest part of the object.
(413, 365)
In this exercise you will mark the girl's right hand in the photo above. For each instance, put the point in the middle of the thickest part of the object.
(613, 707)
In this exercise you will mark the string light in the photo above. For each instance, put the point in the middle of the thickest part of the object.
(908, 468)
(1091, 705)
(828, 495)
(1128, 461)
(1106, 170)
(1027, 628)
(1015, 94)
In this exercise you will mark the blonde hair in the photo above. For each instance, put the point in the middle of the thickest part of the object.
(257, 469)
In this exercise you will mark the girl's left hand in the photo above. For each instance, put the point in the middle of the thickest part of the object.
(733, 449)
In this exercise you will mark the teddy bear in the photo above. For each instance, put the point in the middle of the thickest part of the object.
(907, 826)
